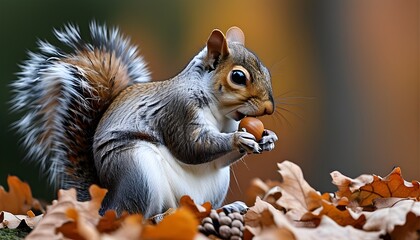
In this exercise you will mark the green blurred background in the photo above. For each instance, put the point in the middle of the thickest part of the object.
(346, 74)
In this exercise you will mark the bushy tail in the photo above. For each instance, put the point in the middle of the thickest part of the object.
(64, 95)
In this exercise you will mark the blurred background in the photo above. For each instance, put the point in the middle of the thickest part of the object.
(345, 75)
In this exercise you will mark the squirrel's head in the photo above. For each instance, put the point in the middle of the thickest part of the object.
(242, 84)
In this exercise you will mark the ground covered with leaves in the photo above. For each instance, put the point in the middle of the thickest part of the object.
(367, 207)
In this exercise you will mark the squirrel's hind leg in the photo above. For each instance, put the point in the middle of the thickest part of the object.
(135, 181)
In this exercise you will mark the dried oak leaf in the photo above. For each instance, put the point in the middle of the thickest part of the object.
(297, 196)
(346, 186)
(11, 221)
(402, 215)
(259, 188)
(182, 224)
(261, 216)
(410, 230)
(327, 230)
(365, 189)
(200, 211)
(78, 227)
(56, 214)
(131, 228)
(263, 221)
(19, 198)
(342, 216)
(110, 222)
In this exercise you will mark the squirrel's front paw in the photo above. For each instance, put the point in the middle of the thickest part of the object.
(267, 141)
(246, 142)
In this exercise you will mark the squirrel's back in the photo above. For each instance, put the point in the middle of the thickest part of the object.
(64, 94)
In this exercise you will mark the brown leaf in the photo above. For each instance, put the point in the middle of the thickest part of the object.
(342, 217)
(109, 222)
(32, 222)
(257, 188)
(11, 221)
(200, 211)
(387, 202)
(261, 189)
(298, 197)
(386, 219)
(365, 189)
(330, 230)
(78, 228)
(261, 216)
(265, 222)
(57, 215)
(410, 230)
(276, 233)
(346, 186)
(131, 228)
(182, 224)
(19, 198)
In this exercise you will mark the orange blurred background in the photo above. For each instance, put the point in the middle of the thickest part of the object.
(345, 75)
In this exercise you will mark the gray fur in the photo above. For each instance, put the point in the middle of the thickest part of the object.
(150, 143)
(56, 96)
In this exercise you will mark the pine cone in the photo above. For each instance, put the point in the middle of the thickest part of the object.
(225, 223)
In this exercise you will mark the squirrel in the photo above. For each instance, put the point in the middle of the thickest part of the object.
(93, 116)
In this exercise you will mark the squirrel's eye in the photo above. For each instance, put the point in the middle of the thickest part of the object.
(238, 77)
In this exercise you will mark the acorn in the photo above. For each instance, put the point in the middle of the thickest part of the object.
(253, 126)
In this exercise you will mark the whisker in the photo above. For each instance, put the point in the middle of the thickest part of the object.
(236, 180)
(282, 118)
(297, 97)
(285, 93)
(291, 112)
(273, 66)
(278, 119)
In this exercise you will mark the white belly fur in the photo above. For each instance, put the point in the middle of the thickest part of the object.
(170, 179)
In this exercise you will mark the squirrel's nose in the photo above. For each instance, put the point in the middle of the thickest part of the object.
(269, 107)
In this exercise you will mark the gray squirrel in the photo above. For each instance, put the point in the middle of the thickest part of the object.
(92, 116)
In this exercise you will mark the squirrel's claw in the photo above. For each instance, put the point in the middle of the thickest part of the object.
(246, 142)
(268, 139)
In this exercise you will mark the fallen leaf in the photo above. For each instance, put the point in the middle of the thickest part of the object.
(346, 186)
(275, 233)
(200, 211)
(56, 214)
(109, 222)
(32, 221)
(131, 228)
(410, 230)
(387, 202)
(266, 222)
(182, 224)
(19, 199)
(343, 217)
(365, 188)
(388, 218)
(259, 188)
(78, 228)
(330, 230)
(297, 196)
(261, 216)
(11, 221)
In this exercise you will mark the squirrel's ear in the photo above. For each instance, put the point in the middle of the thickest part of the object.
(235, 34)
(217, 45)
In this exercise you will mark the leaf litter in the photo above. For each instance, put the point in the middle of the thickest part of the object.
(366, 207)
